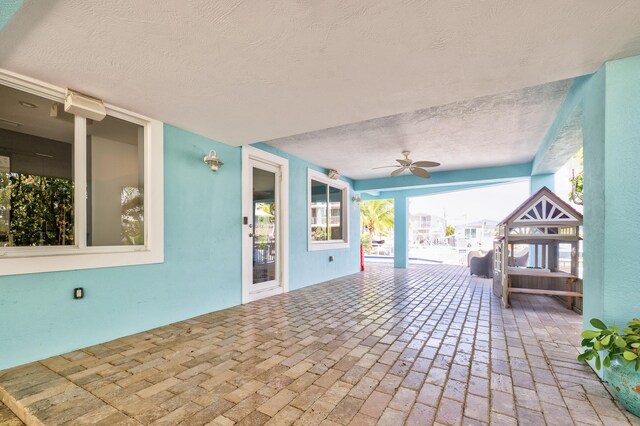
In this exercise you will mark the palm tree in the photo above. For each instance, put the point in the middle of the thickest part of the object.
(376, 217)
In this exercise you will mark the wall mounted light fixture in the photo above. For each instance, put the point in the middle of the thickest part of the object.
(333, 174)
(84, 105)
(213, 161)
(356, 199)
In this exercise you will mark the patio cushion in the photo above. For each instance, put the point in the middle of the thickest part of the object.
(482, 266)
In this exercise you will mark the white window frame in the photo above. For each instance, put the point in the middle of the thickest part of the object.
(344, 214)
(27, 260)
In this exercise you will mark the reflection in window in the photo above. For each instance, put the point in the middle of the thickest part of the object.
(335, 209)
(36, 171)
(115, 185)
(326, 212)
(132, 216)
(264, 229)
(318, 211)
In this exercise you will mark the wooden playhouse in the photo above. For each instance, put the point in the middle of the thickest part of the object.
(549, 227)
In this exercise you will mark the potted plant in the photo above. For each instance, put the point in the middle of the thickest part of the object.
(621, 359)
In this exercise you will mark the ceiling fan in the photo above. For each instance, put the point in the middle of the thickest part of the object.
(415, 167)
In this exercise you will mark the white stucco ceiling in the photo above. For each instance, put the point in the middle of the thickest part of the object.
(492, 130)
(247, 71)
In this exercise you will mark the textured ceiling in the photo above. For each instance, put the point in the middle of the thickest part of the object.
(246, 71)
(492, 130)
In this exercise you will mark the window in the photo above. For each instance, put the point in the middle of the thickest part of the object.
(36, 176)
(328, 212)
(115, 195)
(72, 186)
(470, 233)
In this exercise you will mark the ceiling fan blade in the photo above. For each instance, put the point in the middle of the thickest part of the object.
(420, 172)
(382, 167)
(404, 162)
(425, 164)
(398, 171)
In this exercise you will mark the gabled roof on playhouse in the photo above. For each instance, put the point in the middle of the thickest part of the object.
(544, 208)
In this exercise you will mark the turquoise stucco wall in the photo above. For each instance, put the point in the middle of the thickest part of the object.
(594, 207)
(537, 182)
(622, 192)
(8, 8)
(400, 232)
(612, 194)
(201, 272)
(307, 267)
(432, 190)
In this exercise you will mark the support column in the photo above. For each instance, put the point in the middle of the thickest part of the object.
(612, 195)
(539, 181)
(400, 232)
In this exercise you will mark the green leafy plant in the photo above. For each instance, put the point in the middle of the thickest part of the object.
(577, 182)
(35, 210)
(376, 220)
(132, 218)
(622, 345)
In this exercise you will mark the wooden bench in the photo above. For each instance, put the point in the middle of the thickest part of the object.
(546, 292)
(544, 274)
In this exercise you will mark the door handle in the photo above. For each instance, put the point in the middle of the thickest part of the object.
(251, 234)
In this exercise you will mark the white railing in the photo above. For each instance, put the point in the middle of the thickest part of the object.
(264, 253)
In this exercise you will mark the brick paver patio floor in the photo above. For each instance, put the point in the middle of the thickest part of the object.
(427, 345)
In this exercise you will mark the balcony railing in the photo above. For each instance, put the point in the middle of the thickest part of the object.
(322, 221)
(264, 253)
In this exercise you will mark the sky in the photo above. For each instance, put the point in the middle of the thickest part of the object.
(563, 185)
(493, 202)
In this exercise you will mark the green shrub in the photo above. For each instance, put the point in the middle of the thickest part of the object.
(619, 345)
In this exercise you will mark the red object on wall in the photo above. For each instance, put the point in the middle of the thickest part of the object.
(361, 258)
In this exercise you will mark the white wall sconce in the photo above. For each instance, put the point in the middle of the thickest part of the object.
(332, 174)
(356, 199)
(213, 161)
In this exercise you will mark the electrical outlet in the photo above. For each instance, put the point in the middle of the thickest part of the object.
(78, 293)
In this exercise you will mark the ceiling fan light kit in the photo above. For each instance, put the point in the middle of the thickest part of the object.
(415, 167)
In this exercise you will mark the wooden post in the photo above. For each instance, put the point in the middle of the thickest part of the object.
(553, 256)
(512, 255)
(569, 288)
(575, 256)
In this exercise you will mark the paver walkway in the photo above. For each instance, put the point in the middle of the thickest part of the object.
(427, 345)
